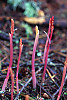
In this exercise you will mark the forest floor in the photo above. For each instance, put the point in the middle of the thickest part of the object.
(57, 53)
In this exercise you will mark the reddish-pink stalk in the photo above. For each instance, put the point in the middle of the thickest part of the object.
(18, 65)
(11, 55)
(12, 86)
(45, 49)
(33, 58)
(63, 77)
(52, 27)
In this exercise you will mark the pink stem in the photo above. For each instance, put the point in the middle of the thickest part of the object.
(18, 68)
(33, 60)
(11, 55)
(12, 89)
(17, 72)
(45, 49)
(10, 64)
(43, 76)
(12, 86)
(11, 51)
(64, 73)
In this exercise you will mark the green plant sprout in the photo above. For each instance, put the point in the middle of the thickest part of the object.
(14, 3)
(30, 7)
(28, 29)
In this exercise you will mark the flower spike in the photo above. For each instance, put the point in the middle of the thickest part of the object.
(21, 44)
(52, 23)
(12, 27)
(36, 30)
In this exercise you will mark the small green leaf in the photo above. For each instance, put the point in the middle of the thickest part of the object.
(39, 54)
(65, 93)
(14, 3)
(15, 47)
(0, 51)
(31, 9)
(17, 41)
(1, 92)
(28, 29)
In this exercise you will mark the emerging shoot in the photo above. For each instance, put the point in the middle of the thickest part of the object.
(63, 77)
(33, 58)
(11, 55)
(47, 46)
(18, 65)
(45, 49)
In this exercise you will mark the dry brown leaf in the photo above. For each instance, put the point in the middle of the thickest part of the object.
(41, 13)
(34, 20)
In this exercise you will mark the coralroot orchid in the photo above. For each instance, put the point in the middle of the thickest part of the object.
(47, 41)
(63, 77)
(47, 46)
(18, 65)
(12, 86)
(11, 55)
(33, 58)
